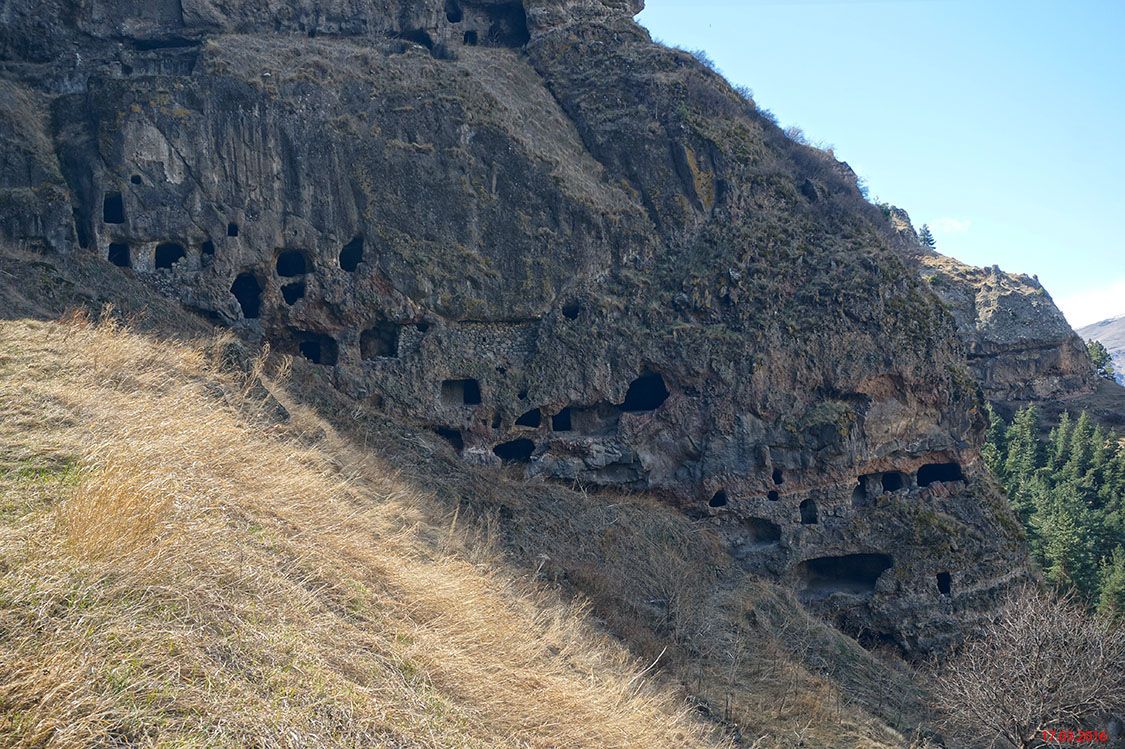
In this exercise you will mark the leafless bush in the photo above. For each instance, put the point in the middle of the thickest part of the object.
(1044, 664)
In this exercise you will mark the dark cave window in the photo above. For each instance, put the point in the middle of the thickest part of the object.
(452, 436)
(318, 348)
(932, 473)
(471, 38)
(207, 248)
(893, 481)
(646, 393)
(351, 255)
(136, 179)
(778, 476)
(808, 512)
(291, 292)
(509, 25)
(859, 495)
(248, 291)
(168, 254)
(379, 341)
(453, 12)
(763, 532)
(718, 499)
(516, 451)
(119, 255)
(571, 311)
(853, 573)
(532, 418)
(418, 36)
(561, 422)
(292, 263)
(461, 392)
(944, 583)
(773, 496)
(113, 208)
(232, 230)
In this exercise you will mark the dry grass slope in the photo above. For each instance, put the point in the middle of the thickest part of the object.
(179, 568)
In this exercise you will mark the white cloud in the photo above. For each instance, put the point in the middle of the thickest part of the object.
(950, 225)
(1094, 305)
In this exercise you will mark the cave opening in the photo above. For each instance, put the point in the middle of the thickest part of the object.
(291, 292)
(351, 255)
(136, 179)
(452, 436)
(418, 36)
(453, 12)
(646, 393)
(207, 249)
(571, 310)
(778, 477)
(532, 419)
(773, 496)
(232, 230)
(718, 499)
(763, 532)
(561, 422)
(464, 392)
(508, 25)
(471, 38)
(933, 473)
(247, 289)
(113, 208)
(292, 263)
(168, 254)
(119, 255)
(808, 512)
(893, 481)
(944, 583)
(380, 341)
(516, 451)
(851, 573)
(318, 348)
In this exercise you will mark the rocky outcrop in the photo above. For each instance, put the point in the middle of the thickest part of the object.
(553, 243)
(1020, 346)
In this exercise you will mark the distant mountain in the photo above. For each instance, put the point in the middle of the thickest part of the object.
(1112, 335)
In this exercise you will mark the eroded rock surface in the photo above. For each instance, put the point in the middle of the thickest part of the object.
(555, 244)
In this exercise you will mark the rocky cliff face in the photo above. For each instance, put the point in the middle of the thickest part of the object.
(557, 245)
(1020, 347)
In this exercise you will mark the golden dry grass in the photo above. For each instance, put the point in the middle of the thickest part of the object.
(177, 569)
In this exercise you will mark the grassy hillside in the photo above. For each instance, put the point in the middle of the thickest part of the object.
(198, 549)
(178, 570)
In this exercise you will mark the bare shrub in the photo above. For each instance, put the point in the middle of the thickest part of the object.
(1044, 664)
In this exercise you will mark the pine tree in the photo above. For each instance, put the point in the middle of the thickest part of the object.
(1022, 458)
(1058, 442)
(1112, 599)
(993, 451)
(926, 237)
(1100, 356)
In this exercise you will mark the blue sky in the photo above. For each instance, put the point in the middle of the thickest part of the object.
(1001, 123)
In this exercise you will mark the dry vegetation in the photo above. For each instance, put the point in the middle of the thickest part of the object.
(179, 566)
(179, 569)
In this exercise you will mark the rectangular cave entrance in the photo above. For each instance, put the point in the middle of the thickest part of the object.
(893, 481)
(762, 532)
(460, 392)
(113, 208)
(379, 341)
(119, 255)
(933, 473)
(318, 348)
(851, 573)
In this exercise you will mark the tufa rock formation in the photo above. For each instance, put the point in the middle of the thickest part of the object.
(529, 229)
